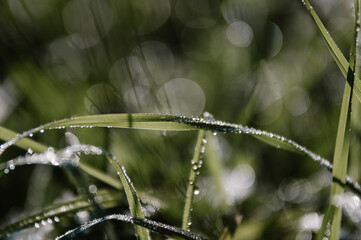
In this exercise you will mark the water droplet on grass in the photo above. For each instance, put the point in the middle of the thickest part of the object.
(196, 191)
(11, 165)
(93, 189)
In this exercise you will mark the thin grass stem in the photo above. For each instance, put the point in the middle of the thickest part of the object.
(194, 172)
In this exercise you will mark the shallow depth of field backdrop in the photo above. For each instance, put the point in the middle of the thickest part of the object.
(260, 63)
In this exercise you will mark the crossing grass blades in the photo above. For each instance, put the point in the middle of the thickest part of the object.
(69, 158)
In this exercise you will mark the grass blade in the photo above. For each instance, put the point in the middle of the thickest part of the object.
(196, 164)
(333, 48)
(159, 122)
(107, 199)
(66, 156)
(332, 219)
(145, 223)
(132, 196)
(26, 143)
(178, 123)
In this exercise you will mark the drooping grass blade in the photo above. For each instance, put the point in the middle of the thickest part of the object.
(106, 199)
(154, 226)
(177, 123)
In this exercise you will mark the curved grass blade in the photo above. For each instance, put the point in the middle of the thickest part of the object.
(50, 157)
(334, 50)
(66, 157)
(196, 164)
(26, 143)
(144, 223)
(132, 196)
(158, 122)
(178, 123)
(107, 199)
(340, 159)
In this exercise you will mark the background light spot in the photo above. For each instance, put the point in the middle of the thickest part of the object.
(239, 34)
(181, 96)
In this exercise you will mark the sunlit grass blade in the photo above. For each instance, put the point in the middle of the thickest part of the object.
(160, 122)
(195, 165)
(334, 49)
(107, 199)
(178, 123)
(144, 223)
(340, 159)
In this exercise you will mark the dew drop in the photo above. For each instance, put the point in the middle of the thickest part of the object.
(41, 130)
(189, 223)
(37, 225)
(56, 219)
(43, 222)
(195, 167)
(31, 135)
(11, 165)
(93, 189)
(214, 133)
(196, 191)
(6, 170)
(30, 151)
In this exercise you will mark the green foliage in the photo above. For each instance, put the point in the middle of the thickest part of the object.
(113, 70)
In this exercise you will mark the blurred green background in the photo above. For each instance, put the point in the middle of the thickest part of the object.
(260, 63)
